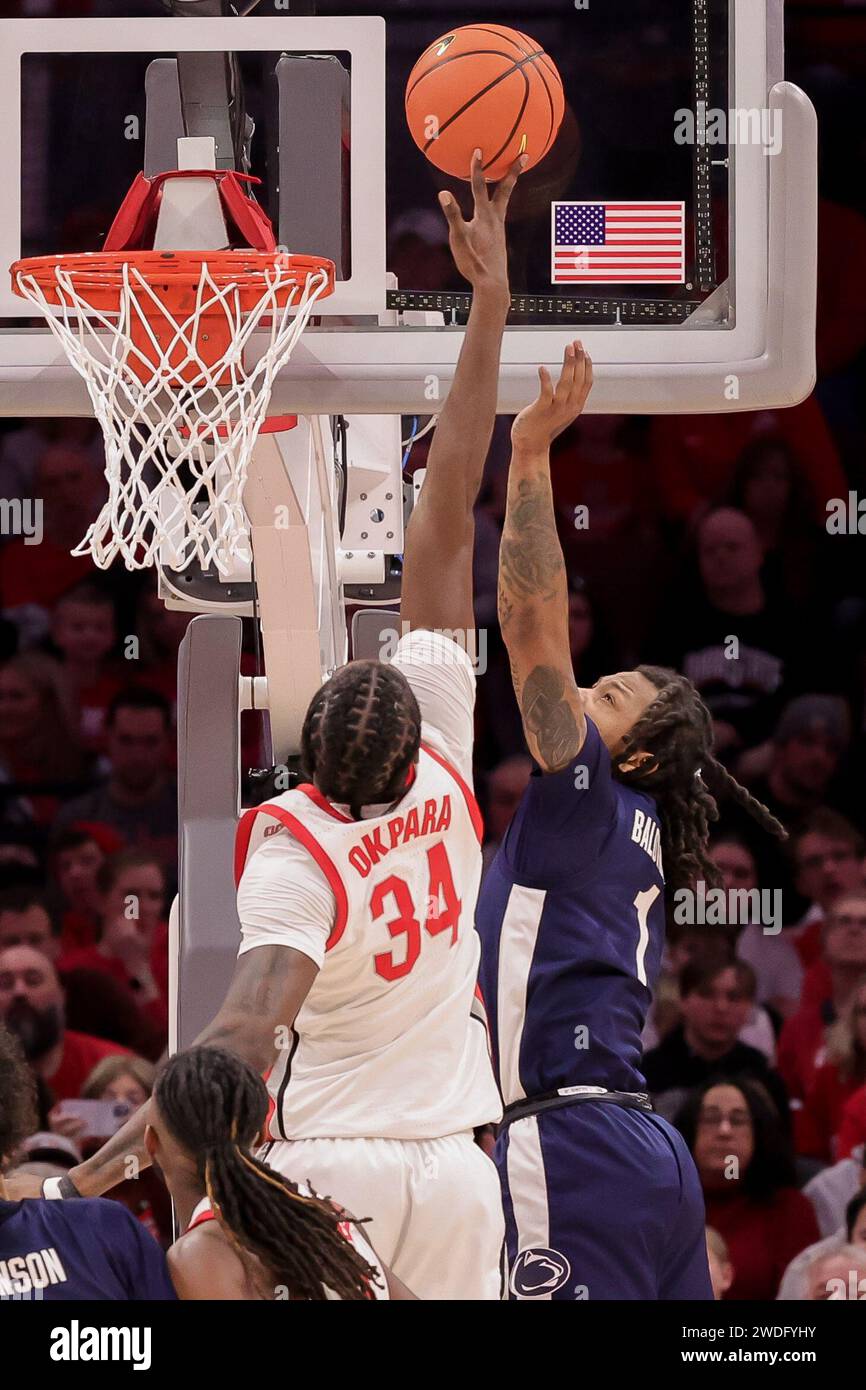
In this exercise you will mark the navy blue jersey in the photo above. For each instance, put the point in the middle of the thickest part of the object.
(571, 917)
(88, 1248)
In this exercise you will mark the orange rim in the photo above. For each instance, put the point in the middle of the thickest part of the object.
(99, 276)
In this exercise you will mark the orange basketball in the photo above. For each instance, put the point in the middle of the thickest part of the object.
(484, 87)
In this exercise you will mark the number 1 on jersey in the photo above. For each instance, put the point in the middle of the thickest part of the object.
(442, 912)
(643, 902)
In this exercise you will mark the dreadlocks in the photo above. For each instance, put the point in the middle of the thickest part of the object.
(361, 735)
(215, 1105)
(684, 777)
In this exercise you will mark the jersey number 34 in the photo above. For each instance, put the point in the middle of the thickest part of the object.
(441, 912)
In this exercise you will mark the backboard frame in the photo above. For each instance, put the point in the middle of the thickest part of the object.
(765, 359)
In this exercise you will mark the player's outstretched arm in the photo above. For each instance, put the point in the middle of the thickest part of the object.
(267, 989)
(533, 592)
(437, 566)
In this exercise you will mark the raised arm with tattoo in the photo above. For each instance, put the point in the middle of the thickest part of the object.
(533, 592)
(437, 567)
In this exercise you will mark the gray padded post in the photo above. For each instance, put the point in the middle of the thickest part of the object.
(208, 801)
(314, 95)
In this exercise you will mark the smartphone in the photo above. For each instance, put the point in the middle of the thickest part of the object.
(102, 1118)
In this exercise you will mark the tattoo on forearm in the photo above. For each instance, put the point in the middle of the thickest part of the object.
(549, 717)
(530, 558)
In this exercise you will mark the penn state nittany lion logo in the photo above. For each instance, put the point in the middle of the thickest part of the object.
(538, 1272)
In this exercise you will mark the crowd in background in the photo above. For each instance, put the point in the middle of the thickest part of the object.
(708, 549)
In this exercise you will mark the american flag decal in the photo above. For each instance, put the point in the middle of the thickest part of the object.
(618, 243)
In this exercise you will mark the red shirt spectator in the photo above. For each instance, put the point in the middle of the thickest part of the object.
(802, 1045)
(852, 1129)
(762, 1238)
(79, 1056)
(746, 1166)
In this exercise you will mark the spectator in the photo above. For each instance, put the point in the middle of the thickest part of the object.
(26, 921)
(806, 753)
(75, 858)
(719, 1259)
(852, 1126)
(84, 633)
(139, 796)
(132, 945)
(777, 967)
(505, 787)
(695, 457)
(32, 577)
(849, 1228)
(833, 1188)
(39, 750)
(89, 1249)
(802, 1045)
(738, 646)
(32, 1007)
(746, 1166)
(715, 1000)
(130, 1081)
(840, 1277)
(771, 489)
(160, 632)
(835, 1081)
(827, 854)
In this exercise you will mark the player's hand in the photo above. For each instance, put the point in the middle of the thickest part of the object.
(70, 1126)
(18, 1186)
(558, 406)
(478, 247)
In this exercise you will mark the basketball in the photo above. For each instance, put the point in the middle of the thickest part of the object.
(484, 87)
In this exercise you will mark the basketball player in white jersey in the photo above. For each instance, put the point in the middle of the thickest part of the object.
(357, 892)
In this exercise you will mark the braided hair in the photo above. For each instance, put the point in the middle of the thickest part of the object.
(215, 1105)
(684, 777)
(361, 735)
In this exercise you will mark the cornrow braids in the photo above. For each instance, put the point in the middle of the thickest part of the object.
(215, 1105)
(684, 777)
(361, 735)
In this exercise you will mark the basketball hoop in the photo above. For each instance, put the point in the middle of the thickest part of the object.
(159, 338)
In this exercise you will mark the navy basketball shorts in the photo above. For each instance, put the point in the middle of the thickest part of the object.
(601, 1202)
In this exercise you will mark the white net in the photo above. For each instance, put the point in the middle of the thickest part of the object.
(179, 409)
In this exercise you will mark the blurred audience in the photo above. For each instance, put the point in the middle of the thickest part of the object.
(746, 1166)
(834, 1081)
(32, 1007)
(715, 998)
(139, 795)
(803, 1042)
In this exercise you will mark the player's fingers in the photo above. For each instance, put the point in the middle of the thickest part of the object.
(566, 376)
(479, 183)
(546, 381)
(449, 205)
(579, 377)
(507, 185)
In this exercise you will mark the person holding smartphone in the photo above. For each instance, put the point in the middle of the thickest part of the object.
(61, 1250)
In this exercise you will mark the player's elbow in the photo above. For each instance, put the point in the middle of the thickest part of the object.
(248, 1036)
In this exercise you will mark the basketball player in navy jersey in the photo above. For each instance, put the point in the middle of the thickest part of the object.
(602, 1200)
(56, 1250)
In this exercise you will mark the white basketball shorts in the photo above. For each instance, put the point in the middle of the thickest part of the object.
(434, 1205)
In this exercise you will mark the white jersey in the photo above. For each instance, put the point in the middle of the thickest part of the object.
(391, 1042)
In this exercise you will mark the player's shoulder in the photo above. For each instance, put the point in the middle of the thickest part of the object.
(96, 1215)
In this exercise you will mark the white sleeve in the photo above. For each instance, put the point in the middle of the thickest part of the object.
(284, 899)
(442, 678)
